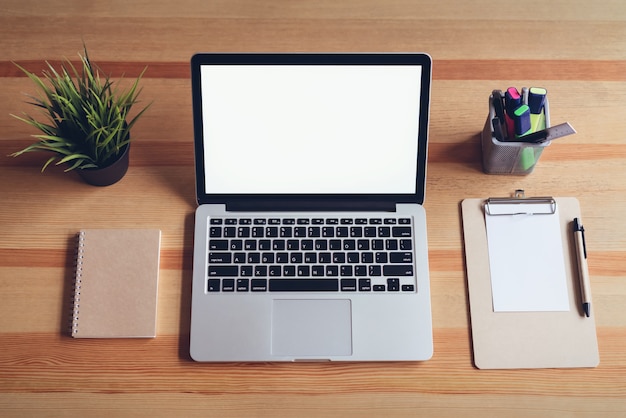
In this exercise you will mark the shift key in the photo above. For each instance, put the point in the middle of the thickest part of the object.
(398, 270)
(223, 271)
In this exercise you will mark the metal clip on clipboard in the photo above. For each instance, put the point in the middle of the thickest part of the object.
(516, 205)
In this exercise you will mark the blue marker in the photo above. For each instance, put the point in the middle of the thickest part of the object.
(521, 119)
(536, 99)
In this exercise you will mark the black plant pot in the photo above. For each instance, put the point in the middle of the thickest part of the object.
(108, 175)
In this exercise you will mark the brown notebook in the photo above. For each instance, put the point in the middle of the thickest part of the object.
(117, 274)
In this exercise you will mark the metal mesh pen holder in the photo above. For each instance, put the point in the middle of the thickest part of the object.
(513, 158)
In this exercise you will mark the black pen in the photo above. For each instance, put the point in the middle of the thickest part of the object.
(583, 273)
(498, 108)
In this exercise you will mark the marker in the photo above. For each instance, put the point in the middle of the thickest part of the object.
(536, 99)
(512, 100)
(536, 103)
(498, 133)
(498, 106)
(521, 119)
(583, 273)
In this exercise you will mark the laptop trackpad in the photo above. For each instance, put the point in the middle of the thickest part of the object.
(305, 327)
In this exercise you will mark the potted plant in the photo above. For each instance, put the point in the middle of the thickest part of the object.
(87, 126)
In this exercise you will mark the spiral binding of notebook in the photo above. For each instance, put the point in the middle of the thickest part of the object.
(77, 282)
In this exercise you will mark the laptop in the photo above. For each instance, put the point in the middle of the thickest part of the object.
(310, 235)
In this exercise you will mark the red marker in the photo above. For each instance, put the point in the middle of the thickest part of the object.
(512, 100)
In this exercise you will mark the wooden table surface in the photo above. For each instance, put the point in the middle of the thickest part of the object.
(575, 48)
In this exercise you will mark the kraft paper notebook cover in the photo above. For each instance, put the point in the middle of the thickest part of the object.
(116, 283)
(564, 337)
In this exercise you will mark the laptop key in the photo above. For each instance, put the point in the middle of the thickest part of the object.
(343, 231)
(406, 244)
(218, 244)
(317, 271)
(228, 285)
(401, 231)
(220, 258)
(214, 285)
(348, 285)
(258, 285)
(275, 271)
(223, 271)
(391, 244)
(304, 285)
(370, 231)
(405, 257)
(243, 285)
(393, 285)
(314, 231)
(398, 270)
(365, 285)
(356, 231)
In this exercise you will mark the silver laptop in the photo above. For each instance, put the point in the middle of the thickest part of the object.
(310, 235)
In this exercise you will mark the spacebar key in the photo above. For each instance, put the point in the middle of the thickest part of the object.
(304, 285)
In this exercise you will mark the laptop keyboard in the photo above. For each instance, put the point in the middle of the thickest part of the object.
(311, 255)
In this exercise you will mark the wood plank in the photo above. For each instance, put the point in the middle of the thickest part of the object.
(443, 69)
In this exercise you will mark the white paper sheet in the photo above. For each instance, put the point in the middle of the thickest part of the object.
(526, 261)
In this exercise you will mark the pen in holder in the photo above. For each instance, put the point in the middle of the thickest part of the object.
(510, 157)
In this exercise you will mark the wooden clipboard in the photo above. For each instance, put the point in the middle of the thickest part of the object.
(520, 340)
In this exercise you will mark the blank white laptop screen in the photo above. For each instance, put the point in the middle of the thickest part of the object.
(283, 129)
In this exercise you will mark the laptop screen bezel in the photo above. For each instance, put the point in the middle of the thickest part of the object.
(311, 201)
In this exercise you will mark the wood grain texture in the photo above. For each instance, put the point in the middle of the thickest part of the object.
(574, 48)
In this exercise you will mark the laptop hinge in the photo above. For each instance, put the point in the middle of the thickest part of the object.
(306, 205)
